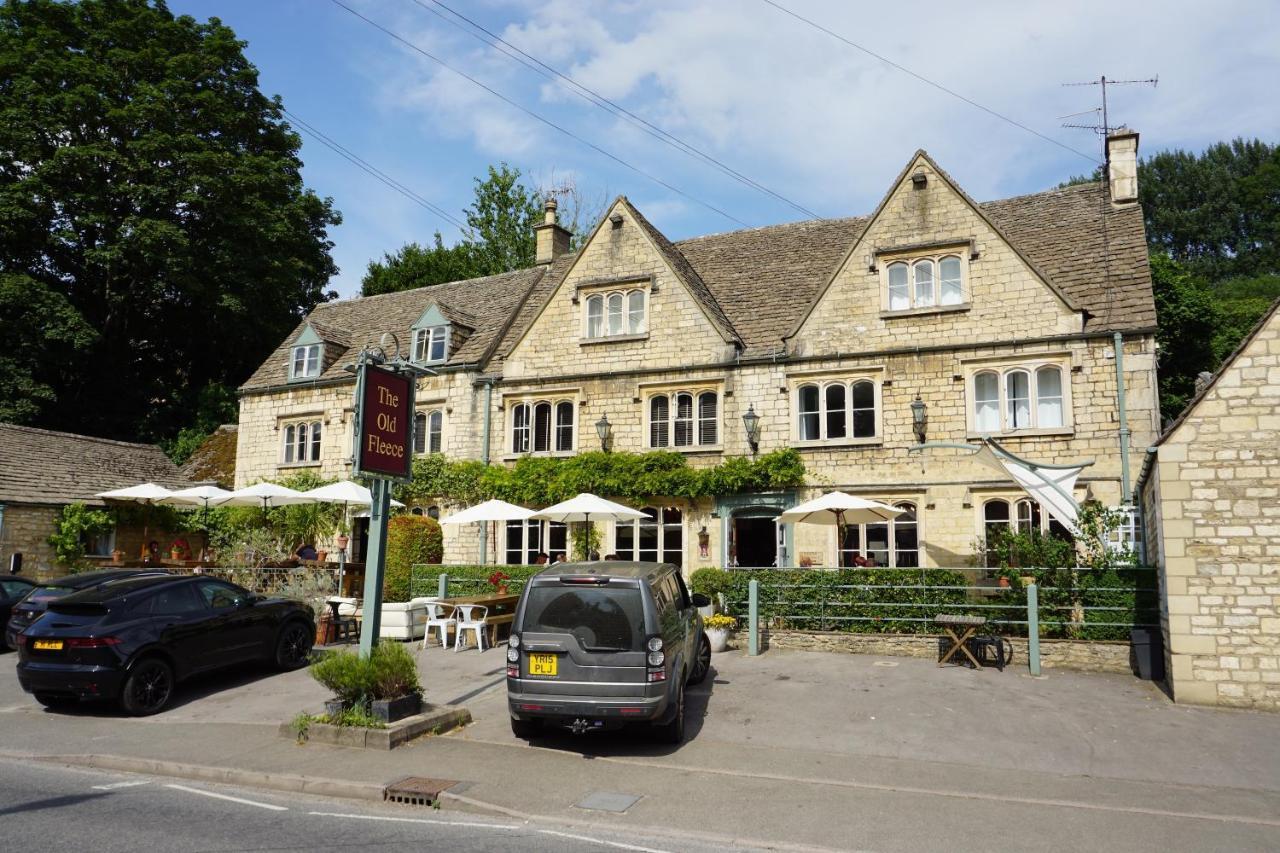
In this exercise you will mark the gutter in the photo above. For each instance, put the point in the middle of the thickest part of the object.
(484, 457)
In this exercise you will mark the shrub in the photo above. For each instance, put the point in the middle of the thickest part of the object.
(394, 671)
(709, 582)
(411, 539)
(467, 580)
(75, 524)
(387, 673)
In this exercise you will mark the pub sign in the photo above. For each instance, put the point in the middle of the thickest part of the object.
(384, 425)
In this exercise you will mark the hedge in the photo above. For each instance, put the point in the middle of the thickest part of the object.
(464, 580)
(411, 539)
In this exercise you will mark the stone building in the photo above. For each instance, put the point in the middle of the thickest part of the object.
(1002, 318)
(1210, 491)
(43, 471)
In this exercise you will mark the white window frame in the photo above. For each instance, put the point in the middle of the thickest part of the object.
(1025, 514)
(543, 545)
(422, 438)
(311, 358)
(914, 301)
(623, 299)
(1033, 369)
(822, 384)
(662, 525)
(293, 448)
(698, 440)
(553, 435)
(891, 542)
(424, 340)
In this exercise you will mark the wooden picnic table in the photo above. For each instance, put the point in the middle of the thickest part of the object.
(501, 609)
(969, 625)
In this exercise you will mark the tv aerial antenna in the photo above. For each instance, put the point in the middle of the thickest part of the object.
(1104, 130)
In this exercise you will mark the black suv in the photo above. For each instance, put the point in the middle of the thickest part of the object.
(133, 639)
(34, 603)
(600, 645)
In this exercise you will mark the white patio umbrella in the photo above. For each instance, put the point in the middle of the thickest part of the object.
(839, 509)
(586, 507)
(264, 495)
(494, 510)
(147, 494)
(198, 496)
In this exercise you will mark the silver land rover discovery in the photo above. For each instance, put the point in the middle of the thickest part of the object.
(601, 645)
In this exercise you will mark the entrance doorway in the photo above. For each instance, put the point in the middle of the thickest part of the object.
(756, 540)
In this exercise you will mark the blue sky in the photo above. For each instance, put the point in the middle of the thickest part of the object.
(822, 124)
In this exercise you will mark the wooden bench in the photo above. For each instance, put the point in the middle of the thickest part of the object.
(492, 622)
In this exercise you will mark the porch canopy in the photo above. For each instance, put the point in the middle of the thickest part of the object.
(839, 509)
(586, 507)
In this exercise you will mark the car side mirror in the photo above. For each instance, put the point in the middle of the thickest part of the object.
(248, 601)
(700, 600)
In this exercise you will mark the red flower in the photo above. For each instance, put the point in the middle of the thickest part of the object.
(498, 578)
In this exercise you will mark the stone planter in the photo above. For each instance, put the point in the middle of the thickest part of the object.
(719, 638)
(392, 710)
(333, 707)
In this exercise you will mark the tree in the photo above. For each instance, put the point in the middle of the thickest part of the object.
(414, 266)
(1187, 320)
(150, 198)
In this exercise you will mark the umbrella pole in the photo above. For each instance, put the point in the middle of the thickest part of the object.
(840, 529)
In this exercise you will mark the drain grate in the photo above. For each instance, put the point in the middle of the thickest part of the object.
(416, 790)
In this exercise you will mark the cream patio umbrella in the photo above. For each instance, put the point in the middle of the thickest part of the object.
(345, 492)
(839, 509)
(493, 510)
(147, 494)
(264, 496)
(586, 507)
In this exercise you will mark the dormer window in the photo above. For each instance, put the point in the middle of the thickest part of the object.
(616, 313)
(306, 361)
(924, 283)
(431, 345)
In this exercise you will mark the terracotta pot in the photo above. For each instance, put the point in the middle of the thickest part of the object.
(1004, 581)
(324, 628)
(502, 590)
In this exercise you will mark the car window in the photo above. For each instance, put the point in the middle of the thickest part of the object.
(602, 619)
(683, 590)
(220, 596)
(14, 589)
(173, 601)
(661, 594)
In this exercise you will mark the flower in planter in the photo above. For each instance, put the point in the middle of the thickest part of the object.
(719, 622)
(498, 580)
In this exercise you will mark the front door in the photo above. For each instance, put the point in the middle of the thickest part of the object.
(756, 540)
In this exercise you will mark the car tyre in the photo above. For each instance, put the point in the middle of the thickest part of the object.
(148, 688)
(525, 729)
(56, 701)
(293, 648)
(673, 732)
(701, 663)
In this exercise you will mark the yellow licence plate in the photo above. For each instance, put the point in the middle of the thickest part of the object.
(47, 645)
(542, 665)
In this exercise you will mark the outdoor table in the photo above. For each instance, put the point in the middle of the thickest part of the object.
(502, 609)
(970, 624)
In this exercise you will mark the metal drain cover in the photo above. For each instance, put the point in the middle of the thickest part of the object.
(607, 801)
(416, 790)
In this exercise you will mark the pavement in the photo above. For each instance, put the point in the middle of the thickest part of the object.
(789, 750)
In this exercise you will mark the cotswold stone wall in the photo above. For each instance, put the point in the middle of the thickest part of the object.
(1215, 489)
(26, 530)
(1088, 656)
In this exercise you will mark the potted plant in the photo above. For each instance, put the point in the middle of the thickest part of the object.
(498, 580)
(717, 628)
(385, 684)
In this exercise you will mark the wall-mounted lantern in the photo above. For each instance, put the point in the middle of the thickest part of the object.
(751, 421)
(919, 419)
(604, 430)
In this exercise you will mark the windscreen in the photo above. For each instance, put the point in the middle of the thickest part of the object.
(603, 619)
(45, 594)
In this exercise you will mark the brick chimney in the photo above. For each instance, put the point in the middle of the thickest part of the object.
(1122, 165)
(553, 240)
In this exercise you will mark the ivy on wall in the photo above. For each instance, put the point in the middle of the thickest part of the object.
(541, 481)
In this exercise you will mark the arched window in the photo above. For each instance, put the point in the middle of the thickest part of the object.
(300, 454)
(615, 314)
(808, 413)
(836, 414)
(417, 510)
(433, 512)
(595, 317)
(1028, 516)
(864, 409)
(420, 432)
(289, 432)
(684, 420)
(899, 291)
(659, 421)
(707, 418)
(564, 426)
(658, 537)
(1049, 397)
(541, 427)
(435, 431)
(520, 428)
(1017, 394)
(889, 543)
(986, 402)
(923, 273)
(949, 283)
(635, 312)
(906, 537)
(995, 518)
(315, 441)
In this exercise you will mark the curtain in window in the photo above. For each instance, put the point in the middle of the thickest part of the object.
(864, 409)
(542, 427)
(684, 420)
(707, 420)
(520, 428)
(835, 411)
(807, 413)
(564, 426)
(435, 429)
(288, 443)
(952, 291)
(438, 338)
(924, 283)
(1049, 397)
(315, 441)
(615, 313)
(986, 402)
(300, 451)
(635, 312)
(595, 317)
(899, 295)
(1017, 392)
(659, 413)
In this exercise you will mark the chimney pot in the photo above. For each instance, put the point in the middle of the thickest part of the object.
(1122, 165)
(552, 239)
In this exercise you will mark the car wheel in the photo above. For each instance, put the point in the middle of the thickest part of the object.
(702, 663)
(55, 700)
(525, 729)
(293, 649)
(673, 732)
(148, 688)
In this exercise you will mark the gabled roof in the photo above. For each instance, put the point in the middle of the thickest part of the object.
(40, 466)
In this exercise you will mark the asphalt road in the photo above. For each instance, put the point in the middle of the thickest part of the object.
(49, 807)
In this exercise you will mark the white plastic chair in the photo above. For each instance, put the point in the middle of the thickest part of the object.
(468, 620)
(439, 616)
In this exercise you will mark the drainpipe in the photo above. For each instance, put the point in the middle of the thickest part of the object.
(1127, 497)
(484, 457)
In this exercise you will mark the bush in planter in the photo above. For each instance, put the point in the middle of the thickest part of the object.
(410, 539)
(389, 672)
